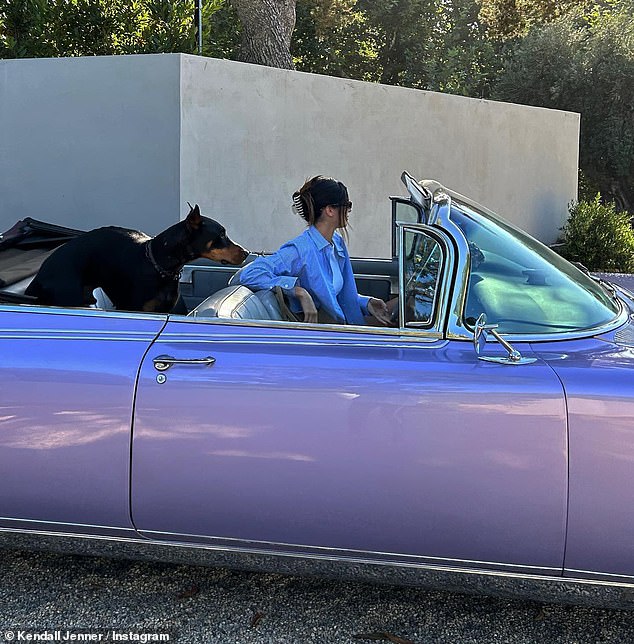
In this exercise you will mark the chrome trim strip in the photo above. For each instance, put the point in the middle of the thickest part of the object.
(79, 332)
(9, 524)
(399, 342)
(367, 276)
(620, 320)
(390, 332)
(120, 336)
(294, 548)
(79, 312)
(594, 573)
(65, 523)
(503, 584)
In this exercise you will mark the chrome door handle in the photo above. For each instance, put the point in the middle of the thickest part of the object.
(163, 362)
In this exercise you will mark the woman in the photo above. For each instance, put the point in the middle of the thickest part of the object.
(314, 269)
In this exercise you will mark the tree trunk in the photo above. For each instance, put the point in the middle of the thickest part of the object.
(267, 26)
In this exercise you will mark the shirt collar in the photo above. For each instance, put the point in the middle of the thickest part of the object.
(321, 242)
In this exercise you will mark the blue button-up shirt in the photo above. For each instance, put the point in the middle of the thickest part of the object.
(306, 260)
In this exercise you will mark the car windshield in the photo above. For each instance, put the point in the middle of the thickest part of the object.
(524, 286)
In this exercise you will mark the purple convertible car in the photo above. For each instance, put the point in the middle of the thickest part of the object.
(485, 443)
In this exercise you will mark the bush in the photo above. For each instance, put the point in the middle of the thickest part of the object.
(599, 237)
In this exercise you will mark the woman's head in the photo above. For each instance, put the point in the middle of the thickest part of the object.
(318, 193)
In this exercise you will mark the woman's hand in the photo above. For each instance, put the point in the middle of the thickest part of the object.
(307, 304)
(378, 309)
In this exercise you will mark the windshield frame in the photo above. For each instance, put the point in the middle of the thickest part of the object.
(440, 217)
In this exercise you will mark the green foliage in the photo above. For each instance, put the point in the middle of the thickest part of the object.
(599, 237)
(333, 37)
(428, 44)
(23, 29)
(222, 31)
(584, 63)
(34, 28)
(508, 19)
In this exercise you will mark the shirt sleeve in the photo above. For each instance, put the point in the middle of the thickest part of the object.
(279, 269)
(363, 303)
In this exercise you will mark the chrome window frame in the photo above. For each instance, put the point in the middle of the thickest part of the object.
(406, 201)
(444, 282)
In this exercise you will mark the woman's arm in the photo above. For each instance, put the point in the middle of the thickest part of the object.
(281, 269)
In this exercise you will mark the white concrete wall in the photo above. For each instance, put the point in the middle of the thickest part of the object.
(251, 136)
(86, 142)
(128, 140)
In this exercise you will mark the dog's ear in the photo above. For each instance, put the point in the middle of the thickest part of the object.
(193, 218)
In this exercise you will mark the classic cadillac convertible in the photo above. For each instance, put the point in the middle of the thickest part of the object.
(485, 443)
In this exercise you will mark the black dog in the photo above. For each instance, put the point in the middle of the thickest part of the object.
(137, 272)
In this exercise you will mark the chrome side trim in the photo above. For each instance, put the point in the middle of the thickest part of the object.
(365, 276)
(358, 330)
(600, 576)
(346, 553)
(65, 524)
(11, 524)
(79, 312)
(121, 336)
(390, 343)
(620, 320)
(462, 579)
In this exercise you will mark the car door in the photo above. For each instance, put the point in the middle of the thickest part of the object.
(66, 392)
(389, 444)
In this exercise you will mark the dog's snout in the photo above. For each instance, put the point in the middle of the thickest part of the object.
(230, 254)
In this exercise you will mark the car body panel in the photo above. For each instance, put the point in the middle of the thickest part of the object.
(601, 413)
(352, 442)
(66, 398)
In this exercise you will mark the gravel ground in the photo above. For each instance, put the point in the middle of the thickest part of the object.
(48, 591)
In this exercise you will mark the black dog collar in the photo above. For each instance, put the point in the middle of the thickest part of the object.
(159, 269)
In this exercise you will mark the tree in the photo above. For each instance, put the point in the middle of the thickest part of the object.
(585, 63)
(23, 27)
(267, 27)
(35, 28)
(506, 19)
(334, 37)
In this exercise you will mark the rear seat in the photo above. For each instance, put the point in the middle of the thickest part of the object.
(239, 302)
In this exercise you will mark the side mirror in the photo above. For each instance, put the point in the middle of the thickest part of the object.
(480, 335)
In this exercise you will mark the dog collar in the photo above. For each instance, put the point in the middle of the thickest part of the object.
(173, 275)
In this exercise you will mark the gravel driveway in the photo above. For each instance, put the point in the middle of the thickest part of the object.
(47, 591)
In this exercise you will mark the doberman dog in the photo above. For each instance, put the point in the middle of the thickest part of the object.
(137, 272)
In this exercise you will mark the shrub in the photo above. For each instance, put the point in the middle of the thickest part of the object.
(599, 237)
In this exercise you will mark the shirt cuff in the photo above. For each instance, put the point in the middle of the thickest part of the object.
(286, 283)
(363, 303)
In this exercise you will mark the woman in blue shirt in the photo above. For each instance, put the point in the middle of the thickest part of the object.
(314, 269)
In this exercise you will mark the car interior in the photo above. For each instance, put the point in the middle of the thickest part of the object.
(205, 287)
